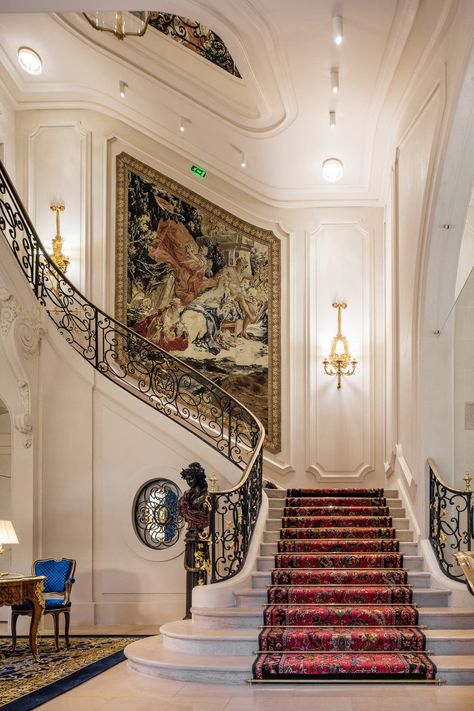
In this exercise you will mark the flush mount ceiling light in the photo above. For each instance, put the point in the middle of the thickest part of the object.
(119, 23)
(333, 170)
(29, 60)
(337, 29)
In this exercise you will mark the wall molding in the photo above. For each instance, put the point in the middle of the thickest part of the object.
(317, 386)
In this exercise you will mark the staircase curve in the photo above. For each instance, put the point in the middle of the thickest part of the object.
(155, 377)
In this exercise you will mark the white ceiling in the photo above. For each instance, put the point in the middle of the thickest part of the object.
(278, 113)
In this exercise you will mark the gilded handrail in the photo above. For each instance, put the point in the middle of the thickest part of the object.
(451, 523)
(154, 376)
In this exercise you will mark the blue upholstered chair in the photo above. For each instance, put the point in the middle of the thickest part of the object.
(57, 592)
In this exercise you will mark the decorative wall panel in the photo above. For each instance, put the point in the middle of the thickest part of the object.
(202, 284)
(340, 436)
(412, 177)
(58, 164)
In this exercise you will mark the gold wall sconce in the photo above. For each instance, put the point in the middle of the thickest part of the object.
(61, 260)
(340, 362)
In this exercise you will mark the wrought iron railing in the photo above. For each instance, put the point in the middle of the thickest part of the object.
(156, 378)
(451, 522)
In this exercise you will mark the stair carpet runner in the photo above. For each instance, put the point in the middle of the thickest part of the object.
(338, 606)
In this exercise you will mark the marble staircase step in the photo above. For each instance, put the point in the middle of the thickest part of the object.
(449, 642)
(270, 536)
(281, 493)
(151, 657)
(433, 617)
(402, 524)
(421, 596)
(410, 562)
(277, 513)
(261, 579)
(187, 637)
(272, 548)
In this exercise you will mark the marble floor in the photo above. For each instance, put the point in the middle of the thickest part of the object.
(119, 689)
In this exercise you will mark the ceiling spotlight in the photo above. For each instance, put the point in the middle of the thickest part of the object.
(29, 60)
(337, 30)
(122, 86)
(243, 160)
(332, 170)
(182, 124)
(335, 80)
(332, 119)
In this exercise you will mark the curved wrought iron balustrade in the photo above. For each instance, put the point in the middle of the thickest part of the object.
(451, 523)
(156, 378)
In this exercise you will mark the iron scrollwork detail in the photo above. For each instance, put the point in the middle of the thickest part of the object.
(197, 37)
(156, 378)
(451, 523)
(155, 513)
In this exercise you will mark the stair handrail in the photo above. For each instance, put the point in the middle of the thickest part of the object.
(155, 377)
(451, 522)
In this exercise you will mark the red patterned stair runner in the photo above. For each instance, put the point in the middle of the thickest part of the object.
(339, 606)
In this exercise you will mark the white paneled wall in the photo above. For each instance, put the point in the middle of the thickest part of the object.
(340, 422)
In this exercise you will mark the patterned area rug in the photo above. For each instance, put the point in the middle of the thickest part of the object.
(339, 607)
(26, 684)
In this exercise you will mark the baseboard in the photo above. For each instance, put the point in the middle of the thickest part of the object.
(140, 612)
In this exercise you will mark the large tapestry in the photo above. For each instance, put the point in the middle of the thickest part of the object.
(202, 284)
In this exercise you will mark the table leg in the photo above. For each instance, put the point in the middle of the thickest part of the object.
(37, 600)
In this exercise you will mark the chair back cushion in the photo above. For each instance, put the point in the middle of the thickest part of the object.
(57, 573)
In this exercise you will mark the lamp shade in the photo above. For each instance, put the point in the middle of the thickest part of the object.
(7, 532)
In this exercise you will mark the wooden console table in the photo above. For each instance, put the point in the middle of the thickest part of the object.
(15, 590)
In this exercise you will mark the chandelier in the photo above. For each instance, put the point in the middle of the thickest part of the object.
(119, 22)
(340, 361)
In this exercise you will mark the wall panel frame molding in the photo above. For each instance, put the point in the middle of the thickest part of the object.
(58, 167)
(340, 423)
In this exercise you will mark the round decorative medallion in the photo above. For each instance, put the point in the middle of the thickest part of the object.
(156, 515)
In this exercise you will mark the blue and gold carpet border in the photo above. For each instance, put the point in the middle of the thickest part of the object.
(25, 684)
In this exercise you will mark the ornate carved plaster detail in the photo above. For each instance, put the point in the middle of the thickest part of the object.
(21, 332)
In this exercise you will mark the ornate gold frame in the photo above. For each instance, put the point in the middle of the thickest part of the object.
(125, 164)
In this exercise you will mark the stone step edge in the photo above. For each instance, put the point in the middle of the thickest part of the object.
(253, 592)
(224, 634)
(159, 656)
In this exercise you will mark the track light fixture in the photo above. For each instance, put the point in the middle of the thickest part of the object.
(122, 87)
(332, 119)
(335, 80)
(243, 160)
(182, 125)
(337, 34)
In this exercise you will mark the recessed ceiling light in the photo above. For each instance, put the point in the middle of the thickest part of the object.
(337, 29)
(332, 170)
(29, 60)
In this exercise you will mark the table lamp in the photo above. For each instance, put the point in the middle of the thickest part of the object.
(7, 535)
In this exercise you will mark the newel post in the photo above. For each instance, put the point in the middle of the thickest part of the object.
(194, 506)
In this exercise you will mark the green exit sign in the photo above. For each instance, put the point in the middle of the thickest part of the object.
(197, 170)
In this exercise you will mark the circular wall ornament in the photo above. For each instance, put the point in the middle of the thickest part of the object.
(156, 515)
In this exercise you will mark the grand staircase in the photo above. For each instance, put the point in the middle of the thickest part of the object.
(219, 644)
